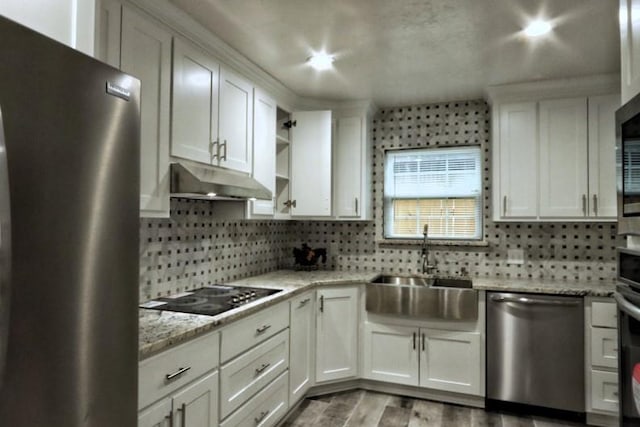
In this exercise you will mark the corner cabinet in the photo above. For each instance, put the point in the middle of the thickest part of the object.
(337, 333)
(554, 159)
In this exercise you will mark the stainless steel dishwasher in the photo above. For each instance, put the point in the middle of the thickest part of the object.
(535, 350)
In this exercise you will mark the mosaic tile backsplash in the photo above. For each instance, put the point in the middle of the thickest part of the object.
(193, 248)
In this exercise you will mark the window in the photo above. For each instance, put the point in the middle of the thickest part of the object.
(441, 187)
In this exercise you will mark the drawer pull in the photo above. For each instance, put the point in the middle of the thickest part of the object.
(262, 368)
(262, 329)
(177, 373)
(304, 301)
(261, 417)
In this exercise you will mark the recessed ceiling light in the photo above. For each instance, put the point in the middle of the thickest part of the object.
(537, 28)
(321, 61)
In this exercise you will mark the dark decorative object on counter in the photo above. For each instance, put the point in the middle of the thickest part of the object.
(307, 258)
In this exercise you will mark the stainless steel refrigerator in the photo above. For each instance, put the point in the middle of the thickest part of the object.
(69, 184)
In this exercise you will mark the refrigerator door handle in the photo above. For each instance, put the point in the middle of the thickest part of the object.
(5, 252)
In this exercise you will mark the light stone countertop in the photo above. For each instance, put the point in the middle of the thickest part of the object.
(160, 330)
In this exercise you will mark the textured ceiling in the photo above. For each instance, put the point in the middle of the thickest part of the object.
(402, 52)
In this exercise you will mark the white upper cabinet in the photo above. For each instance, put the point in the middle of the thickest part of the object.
(630, 48)
(264, 149)
(146, 54)
(516, 163)
(107, 44)
(602, 152)
(352, 168)
(195, 104)
(310, 177)
(236, 122)
(563, 158)
(553, 156)
(71, 22)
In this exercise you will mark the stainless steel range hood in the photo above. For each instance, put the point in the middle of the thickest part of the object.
(210, 183)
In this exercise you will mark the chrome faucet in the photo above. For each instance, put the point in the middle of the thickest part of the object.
(426, 268)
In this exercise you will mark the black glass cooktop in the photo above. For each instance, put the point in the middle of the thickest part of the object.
(210, 300)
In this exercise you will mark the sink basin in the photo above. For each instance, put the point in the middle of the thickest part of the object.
(443, 282)
(427, 298)
(447, 282)
(402, 280)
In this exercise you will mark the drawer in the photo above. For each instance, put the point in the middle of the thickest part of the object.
(193, 359)
(244, 376)
(604, 391)
(246, 333)
(604, 314)
(265, 409)
(604, 347)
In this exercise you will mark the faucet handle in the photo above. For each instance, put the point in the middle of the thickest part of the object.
(425, 230)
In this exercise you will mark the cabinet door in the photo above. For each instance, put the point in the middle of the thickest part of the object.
(451, 361)
(563, 158)
(158, 415)
(602, 151)
(302, 332)
(108, 20)
(311, 163)
(146, 54)
(337, 333)
(391, 353)
(517, 162)
(71, 22)
(195, 104)
(264, 149)
(236, 122)
(630, 48)
(348, 165)
(196, 405)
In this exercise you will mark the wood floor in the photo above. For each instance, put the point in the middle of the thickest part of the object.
(361, 408)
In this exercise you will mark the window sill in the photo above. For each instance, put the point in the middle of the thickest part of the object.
(432, 243)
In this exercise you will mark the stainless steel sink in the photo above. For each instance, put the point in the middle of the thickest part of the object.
(427, 298)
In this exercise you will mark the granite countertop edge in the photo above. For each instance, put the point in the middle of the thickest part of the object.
(160, 330)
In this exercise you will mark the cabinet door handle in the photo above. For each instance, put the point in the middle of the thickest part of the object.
(223, 145)
(261, 417)
(424, 340)
(177, 373)
(414, 340)
(262, 368)
(293, 203)
(304, 301)
(321, 303)
(595, 204)
(183, 414)
(584, 204)
(356, 206)
(504, 206)
(262, 329)
(214, 154)
(170, 418)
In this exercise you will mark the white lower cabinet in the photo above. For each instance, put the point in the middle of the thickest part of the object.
(436, 359)
(302, 343)
(179, 387)
(337, 333)
(265, 409)
(451, 361)
(242, 377)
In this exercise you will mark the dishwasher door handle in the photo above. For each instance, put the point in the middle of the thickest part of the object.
(534, 301)
(627, 307)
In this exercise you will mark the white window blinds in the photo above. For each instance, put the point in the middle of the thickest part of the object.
(440, 186)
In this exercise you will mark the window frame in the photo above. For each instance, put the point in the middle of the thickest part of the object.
(387, 201)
